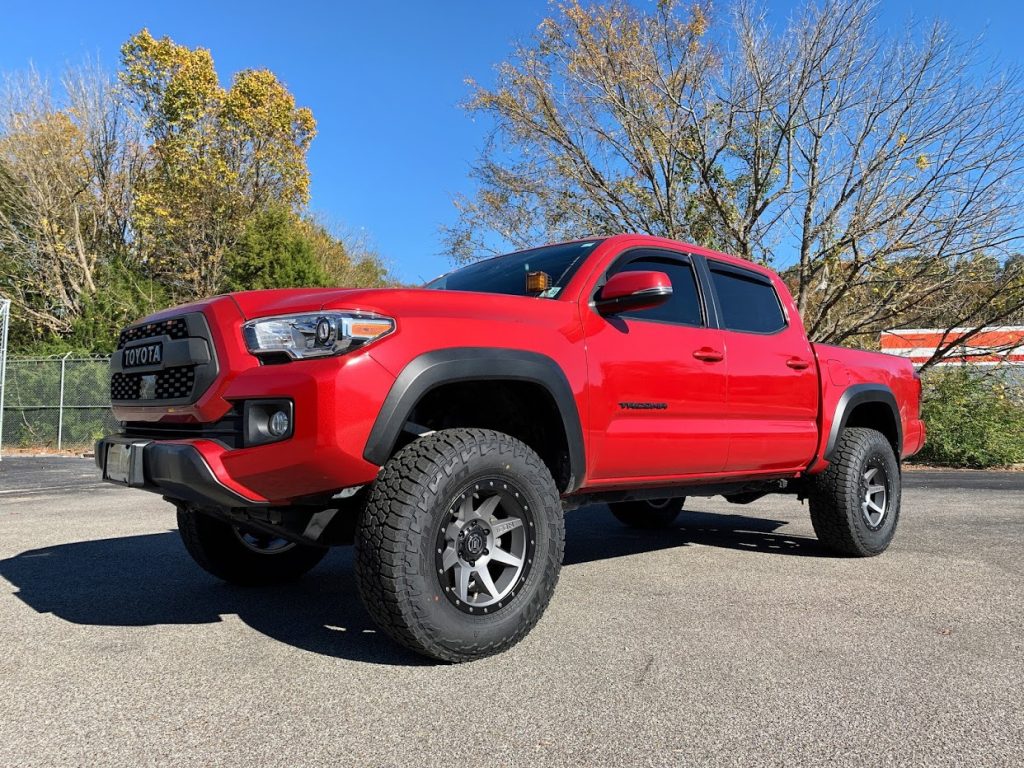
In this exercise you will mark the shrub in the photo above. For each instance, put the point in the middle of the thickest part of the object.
(974, 419)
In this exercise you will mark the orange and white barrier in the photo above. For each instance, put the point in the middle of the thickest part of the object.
(992, 346)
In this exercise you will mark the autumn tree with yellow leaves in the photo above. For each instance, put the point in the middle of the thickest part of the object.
(883, 174)
(121, 195)
(217, 156)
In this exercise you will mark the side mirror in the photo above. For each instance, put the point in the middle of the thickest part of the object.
(633, 290)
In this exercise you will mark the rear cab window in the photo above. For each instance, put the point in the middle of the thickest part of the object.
(747, 301)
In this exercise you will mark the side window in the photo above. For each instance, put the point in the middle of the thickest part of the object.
(683, 306)
(747, 303)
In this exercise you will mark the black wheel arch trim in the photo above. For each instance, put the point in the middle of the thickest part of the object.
(857, 395)
(443, 366)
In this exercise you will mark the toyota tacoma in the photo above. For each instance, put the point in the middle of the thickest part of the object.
(445, 429)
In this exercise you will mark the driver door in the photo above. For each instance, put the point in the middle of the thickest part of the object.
(657, 380)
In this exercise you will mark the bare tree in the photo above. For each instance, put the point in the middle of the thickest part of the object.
(882, 175)
(113, 145)
(891, 167)
(67, 171)
(592, 130)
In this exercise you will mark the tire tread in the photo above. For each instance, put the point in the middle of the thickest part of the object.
(833, 494)
(400, 503)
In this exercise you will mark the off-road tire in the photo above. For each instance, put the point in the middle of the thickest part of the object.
(409, 507)
(217, 548)
(647, 514)
(837, 495)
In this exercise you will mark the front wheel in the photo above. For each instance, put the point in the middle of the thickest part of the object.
(242, 555)
(460, 544)
(652, 513)
(855, 503)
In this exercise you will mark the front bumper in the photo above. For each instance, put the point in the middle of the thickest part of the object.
(177, 470)
(336, 401)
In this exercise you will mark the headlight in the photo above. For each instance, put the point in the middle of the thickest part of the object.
(318, 334)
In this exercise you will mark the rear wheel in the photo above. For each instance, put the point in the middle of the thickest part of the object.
(855, 503)
(459, 547)
(243, 555)
(653, 513)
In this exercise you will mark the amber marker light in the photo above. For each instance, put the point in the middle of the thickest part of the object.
(369, 329)
(536, 282)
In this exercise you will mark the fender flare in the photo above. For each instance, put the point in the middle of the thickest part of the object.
(856, 395)
(444, 366)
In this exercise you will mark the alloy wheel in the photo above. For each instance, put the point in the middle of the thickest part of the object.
(262, 543)
(485, 546)
(876, 496)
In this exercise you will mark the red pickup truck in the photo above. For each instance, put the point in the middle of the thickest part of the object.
(446, 428)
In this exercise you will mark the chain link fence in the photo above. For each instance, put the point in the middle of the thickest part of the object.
(56, 403)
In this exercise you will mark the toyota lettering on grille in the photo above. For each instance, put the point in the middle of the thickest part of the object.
(144, 354)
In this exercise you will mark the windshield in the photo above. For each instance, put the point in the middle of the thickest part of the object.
(508, 274)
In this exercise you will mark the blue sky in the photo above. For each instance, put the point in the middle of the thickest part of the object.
(384, 81)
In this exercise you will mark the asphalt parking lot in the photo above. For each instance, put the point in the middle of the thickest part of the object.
(732, 640)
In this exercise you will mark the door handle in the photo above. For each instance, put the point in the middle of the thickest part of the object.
(709, 355)
(798, 364)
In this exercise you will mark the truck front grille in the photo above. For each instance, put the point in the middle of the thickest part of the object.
(171, 384)
(183, 371)
(175, 328)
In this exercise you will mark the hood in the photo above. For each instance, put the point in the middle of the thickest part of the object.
(393, 302)
(286, 301)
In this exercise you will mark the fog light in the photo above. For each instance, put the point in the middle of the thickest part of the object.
(267, 421)
(278, 424)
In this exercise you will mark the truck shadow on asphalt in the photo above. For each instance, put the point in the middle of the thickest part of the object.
(147, 580)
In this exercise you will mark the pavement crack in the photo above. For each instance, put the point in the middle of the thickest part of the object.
(646, 670)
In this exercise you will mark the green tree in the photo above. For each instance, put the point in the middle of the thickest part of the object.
(281, 250)
(347, 261)
(274, 251)
(126, 294)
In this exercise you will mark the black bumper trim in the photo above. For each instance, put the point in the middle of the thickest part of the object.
(179, 472)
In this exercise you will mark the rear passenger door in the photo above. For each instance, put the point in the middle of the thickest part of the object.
(658, 379)
(773, 378)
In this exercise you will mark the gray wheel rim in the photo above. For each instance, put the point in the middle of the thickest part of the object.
(875, 502)
(262, 543)
(485, 546)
